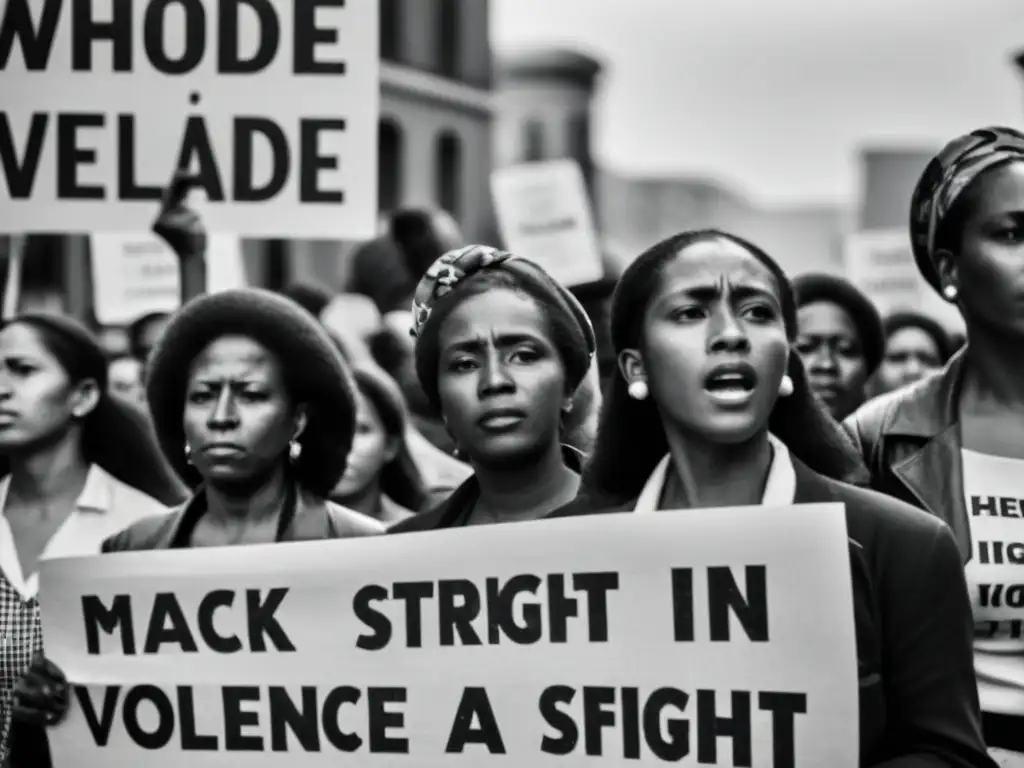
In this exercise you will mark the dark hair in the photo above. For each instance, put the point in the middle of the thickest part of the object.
(414, 231)
(116, 435)
(400, 479)
(137, 329)
(311, 298)
(897, 321)
(631, 439)
(315, 375)
(565, 335)
(813, 287)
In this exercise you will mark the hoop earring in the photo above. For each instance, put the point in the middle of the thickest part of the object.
(638, 390)
(294, 450)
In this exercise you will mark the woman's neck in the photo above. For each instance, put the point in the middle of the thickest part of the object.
(994, 370)
(227, 507)
(529, 492)
(57, 471)
(367, 501)
(704, 474)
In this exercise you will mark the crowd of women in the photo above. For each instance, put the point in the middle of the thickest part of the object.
(461, 385)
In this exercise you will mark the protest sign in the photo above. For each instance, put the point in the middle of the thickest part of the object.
(995, 573)
(135, 273)
(273, 102)
(544, 215)
(718, 637)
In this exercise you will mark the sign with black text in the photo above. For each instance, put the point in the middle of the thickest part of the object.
(719, 637)
(273, 102)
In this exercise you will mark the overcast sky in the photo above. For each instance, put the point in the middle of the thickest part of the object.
(775, 96)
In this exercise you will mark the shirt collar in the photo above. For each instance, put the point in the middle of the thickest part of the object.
(779, 490)
(96, 495)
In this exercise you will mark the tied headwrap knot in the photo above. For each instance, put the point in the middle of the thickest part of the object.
(446, 273)
(951, 171)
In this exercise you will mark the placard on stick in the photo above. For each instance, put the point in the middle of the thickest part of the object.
(273, 102)
(718, 636)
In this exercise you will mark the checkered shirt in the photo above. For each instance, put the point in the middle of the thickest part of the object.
(21, 636)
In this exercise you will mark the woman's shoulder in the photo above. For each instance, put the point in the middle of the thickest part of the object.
(889, 529)
(346, 523)
(153, 531)
(127, 501)
(591, 504)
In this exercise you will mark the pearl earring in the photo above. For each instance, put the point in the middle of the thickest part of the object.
(638, 390)
(950, 292)
(294, 450)
(188, 453)
(786, 386)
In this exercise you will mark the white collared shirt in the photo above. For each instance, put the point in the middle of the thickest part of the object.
(106, 506)
(779, 490)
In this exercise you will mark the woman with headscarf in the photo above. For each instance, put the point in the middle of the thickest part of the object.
(951, 444)
(78, 465)
(381, 478)
(915, 346)
(713, 409)
(840, 340)
(500, 349)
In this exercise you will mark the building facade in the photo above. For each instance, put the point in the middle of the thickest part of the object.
(435, 126)
(545, 101)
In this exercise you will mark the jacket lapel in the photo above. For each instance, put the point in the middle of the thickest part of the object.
(932, 471)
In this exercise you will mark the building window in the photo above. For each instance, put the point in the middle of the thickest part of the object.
(533, 141)
(449, 38)
(448, 173)
(389, 165)
(391, 30)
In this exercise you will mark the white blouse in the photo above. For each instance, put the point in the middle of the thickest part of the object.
(106, 506)
(779, 490)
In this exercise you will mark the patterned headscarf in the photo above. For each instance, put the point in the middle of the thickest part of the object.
(454, 267)
(944, 180)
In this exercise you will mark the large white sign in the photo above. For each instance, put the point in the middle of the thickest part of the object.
(544, 215)
(274, 102)
(881, 263)
(135, 273)
(723, 637)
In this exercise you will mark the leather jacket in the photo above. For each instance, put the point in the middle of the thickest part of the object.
(910, 441)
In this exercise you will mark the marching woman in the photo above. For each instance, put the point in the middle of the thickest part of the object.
(381, 477)
(713, 410)
(951, 444)
(79, 464)
(840, 340)
(500, 349)
(915, 346)
(255, 409)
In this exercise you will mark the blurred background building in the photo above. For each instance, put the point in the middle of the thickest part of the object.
(545, 103)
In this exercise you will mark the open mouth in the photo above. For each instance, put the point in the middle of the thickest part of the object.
(731, 383)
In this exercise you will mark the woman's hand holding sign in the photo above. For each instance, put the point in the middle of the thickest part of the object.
(41, 697)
